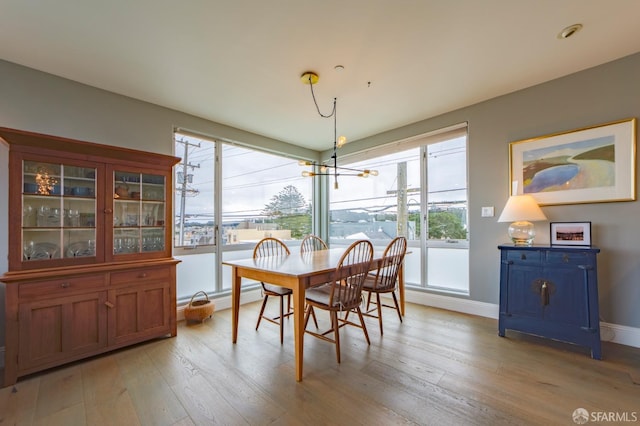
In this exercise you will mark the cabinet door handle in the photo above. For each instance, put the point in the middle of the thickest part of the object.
(65, 285)
(544, 294)
(108, 211)
(142, 275)
(109, 304)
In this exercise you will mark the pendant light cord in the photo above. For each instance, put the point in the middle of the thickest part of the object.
(313, 95)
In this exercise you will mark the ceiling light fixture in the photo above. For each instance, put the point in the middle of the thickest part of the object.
(322, 169)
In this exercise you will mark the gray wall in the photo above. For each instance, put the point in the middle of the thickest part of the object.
(595, 96)
(39, 102)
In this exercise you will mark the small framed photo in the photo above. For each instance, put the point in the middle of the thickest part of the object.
(571, 233)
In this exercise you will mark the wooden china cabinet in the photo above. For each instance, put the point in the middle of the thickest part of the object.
(90, 266)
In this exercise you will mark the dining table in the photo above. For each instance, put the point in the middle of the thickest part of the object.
(296, 271)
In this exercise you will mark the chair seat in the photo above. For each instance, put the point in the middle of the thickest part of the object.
(370, 285)
(276, 289)
(369, 282)
(320, 295)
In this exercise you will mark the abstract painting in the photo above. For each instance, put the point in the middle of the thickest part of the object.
(589, 165)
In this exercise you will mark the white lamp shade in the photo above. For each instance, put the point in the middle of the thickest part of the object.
(521, 208)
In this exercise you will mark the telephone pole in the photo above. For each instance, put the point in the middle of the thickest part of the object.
(184, 179)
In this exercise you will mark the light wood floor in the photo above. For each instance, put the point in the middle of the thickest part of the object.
(438, 368)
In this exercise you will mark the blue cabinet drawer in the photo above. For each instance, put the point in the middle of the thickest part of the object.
(570, 257)
(524, 256)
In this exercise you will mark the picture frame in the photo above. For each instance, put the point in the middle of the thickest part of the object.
(589, 165)
(570, 233)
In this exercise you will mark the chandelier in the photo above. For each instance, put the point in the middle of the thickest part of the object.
(330, 168)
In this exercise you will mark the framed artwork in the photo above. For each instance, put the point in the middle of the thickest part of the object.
(571, 233)
(591, 165)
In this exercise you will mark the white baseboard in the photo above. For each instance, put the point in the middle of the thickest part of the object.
(488, 310)
(621, 334)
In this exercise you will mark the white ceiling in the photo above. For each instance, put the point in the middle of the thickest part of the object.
(238, 62)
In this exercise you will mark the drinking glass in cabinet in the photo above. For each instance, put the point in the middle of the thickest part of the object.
(39, 251)
(48, 216)
(150, 213)
(82, 249)
(152, 240)
(72, 217)
(123, 245)
(126, 213)
(153, 187)
(29, 250)
(28, 216)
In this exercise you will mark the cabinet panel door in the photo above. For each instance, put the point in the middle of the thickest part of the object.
(40, 333)
(567, 296)
(87, 323)
(521, 299)
(141, 213)
(140, 311)
(58, 221)
(53, 330)
(154, 311)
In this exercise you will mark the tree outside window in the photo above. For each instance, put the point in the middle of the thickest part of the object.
(289, 210)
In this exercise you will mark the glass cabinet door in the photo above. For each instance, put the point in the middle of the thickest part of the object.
(58, 211)
(138, 213)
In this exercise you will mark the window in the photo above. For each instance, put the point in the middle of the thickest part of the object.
(421, 193)
(263, 195)
(447, 258)
(194, 187)
(227, 197)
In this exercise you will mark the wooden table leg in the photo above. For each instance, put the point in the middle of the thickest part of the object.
(235, 301)
(401, 287)
(298, 321)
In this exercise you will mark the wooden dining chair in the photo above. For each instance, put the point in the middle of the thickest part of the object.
(343, 293)
(312, 243)
(385, 279)
(273, 247)
(309, 244)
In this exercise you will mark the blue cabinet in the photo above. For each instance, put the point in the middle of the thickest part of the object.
(552, 292)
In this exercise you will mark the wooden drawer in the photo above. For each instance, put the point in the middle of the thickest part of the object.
(524, 256)
(61, 286)
(140, 275)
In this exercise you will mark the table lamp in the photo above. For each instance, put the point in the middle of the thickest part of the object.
(521, 210)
